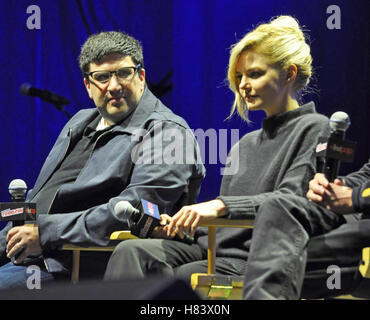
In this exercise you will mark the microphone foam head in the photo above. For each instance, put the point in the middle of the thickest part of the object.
(124, 208)
(339, 121)
(25, 88)
(17, 188)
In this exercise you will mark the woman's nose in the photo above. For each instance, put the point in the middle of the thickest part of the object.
(244, 84)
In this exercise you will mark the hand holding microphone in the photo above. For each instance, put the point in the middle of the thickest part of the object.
(22, 239)
(330, 152)
(147, 222)
(325, 188)
(334, 196)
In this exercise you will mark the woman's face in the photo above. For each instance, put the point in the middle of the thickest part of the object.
(262, 86)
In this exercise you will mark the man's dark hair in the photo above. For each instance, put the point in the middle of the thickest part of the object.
(102, 44)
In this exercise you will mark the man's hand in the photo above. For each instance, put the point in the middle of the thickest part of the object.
(188, 218)
(334, 196)
(340, 198)
(23, 239)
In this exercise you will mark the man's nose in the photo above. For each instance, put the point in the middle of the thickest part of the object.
(114, 83)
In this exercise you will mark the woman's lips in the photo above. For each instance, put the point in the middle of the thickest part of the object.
(250, 98)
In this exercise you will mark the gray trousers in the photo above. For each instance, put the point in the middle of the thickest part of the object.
(294, 242)
(140, 258)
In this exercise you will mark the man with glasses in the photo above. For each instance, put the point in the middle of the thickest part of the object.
(101, 157)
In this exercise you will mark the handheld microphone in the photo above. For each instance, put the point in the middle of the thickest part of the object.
(48, 96)
(18, 211)
(142, 221)
(330, 152)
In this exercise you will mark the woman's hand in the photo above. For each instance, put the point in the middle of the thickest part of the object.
(161, 230)
(188, 218)
(318, 188)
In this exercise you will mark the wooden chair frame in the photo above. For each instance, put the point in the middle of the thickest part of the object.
(210, 285)
(118, 235)
(126, 235)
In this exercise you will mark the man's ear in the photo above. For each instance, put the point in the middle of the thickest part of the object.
(142, 78)
(142, 74)
(88, 87)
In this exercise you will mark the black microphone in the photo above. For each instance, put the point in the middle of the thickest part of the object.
(330, 152)
(18, 211)
(142, 221)
(57, 100)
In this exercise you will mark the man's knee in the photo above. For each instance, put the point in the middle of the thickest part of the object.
(128, 246)
(136, 248)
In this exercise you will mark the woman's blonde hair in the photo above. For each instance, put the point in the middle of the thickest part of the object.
(284, 43)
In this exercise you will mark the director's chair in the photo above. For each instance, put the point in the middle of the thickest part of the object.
(76, 250)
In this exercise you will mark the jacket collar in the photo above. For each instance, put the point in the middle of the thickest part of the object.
(132, 122)
(141, 113)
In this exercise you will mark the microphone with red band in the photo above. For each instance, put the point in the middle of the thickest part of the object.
(18, 211)
(331, 151)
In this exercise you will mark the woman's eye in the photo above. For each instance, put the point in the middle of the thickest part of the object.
(254, 74)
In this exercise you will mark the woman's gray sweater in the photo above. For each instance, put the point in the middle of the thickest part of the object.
(278, 158)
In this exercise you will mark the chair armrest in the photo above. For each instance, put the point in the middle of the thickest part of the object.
(122, 235)
(365, 263)
(228, 223)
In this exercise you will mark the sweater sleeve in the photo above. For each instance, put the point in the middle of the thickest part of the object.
(296, 169)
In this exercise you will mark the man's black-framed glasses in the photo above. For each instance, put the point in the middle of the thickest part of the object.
(124, 74)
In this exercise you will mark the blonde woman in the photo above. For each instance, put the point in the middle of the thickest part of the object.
(268, 70)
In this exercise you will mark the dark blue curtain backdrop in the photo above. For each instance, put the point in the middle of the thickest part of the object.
(186, 48)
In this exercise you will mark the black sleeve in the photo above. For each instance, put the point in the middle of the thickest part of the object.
(359, 177)
(361, 198)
